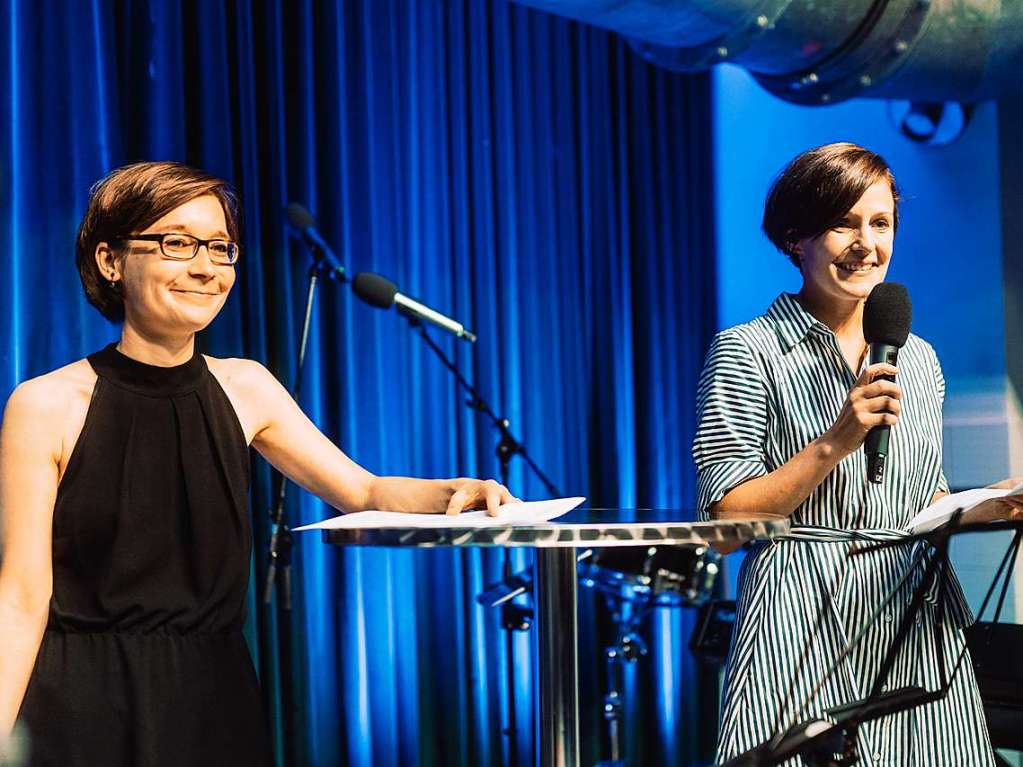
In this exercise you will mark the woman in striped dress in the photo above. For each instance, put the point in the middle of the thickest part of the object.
(785, 402)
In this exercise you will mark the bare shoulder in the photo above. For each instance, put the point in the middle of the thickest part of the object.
(51, 408)
(243, 375)
(52, 394)
(253, 391)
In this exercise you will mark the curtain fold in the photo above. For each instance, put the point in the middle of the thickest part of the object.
(526, 174)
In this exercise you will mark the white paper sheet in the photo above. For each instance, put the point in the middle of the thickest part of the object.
(523, 513)
(941, 512)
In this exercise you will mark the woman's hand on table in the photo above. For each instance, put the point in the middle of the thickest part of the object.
(471, 494)
(434, 496)
(870, 403)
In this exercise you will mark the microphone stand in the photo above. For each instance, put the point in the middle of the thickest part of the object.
(278, 571)
(513, 616)
(508, 446)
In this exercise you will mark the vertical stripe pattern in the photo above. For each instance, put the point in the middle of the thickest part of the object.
(769, 387)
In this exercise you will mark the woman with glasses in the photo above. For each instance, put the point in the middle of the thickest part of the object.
(124, 498)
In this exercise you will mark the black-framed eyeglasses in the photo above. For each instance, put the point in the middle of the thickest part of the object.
(184, 247)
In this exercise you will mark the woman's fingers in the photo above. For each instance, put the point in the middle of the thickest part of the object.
(457, 501)
(479, 494)
(1009, 507)
(880, 418)
(882, 405)
(493, 496)
(1015, 501)
(871, 372)
(507, 497)
(871, 402)
(881, 388)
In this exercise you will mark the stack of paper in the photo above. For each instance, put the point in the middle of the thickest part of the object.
(520, 513)
(941, 512)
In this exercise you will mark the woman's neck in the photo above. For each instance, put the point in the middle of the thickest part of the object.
(162, 351)
(845, 318)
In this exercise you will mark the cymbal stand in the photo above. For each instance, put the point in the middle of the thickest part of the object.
(627, 613)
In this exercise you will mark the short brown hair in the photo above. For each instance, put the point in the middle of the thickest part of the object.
(128, 200)
(817, 188)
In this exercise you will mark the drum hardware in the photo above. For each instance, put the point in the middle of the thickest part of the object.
(517, 616)
(671, 576)
(496, 594)
(628, 648)
(634, 580)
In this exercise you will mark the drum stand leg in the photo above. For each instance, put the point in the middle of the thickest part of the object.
(628, 648)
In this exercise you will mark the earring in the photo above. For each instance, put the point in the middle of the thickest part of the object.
(113, 285)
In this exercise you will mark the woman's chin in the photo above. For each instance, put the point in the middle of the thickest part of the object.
(857, 289)
(181, 322)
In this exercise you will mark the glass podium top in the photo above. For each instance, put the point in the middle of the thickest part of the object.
(585, 527)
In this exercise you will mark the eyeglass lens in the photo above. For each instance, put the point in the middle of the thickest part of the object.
(184, 246)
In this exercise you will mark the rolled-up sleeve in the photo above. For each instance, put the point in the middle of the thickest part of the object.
(731, 406)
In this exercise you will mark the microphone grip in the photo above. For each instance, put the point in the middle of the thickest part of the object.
(410, 306)
(876, 443)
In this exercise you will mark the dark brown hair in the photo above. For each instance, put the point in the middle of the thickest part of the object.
(817, 189)
(127, 201)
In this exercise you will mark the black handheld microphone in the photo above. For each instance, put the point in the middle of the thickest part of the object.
(886, 318)
(304, 223)
(382, 293)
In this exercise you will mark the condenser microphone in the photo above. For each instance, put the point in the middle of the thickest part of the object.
(886, 317)
(382, 293)
(304, 223)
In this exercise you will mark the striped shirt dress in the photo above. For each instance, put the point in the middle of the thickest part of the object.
(769, 387)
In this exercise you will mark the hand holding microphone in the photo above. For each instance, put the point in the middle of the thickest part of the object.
(873, 401)
(873, 406)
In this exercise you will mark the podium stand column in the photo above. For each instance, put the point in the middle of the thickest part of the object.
(559, 667)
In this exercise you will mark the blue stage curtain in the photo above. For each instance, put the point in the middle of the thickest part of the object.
(529, 175)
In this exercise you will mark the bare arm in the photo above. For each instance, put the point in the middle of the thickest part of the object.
(29, 459)
(779, 493)
(285, 436)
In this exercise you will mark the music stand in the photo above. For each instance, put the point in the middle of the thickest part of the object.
(819, 739)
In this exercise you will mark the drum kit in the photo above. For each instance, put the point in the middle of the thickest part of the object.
(634, 580)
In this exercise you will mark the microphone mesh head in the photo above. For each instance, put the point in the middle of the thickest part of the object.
(299, 217)
(887, 315)
(374, 290)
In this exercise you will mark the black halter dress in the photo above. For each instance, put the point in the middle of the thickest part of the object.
(143, 662)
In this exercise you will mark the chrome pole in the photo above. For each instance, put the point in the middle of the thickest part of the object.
(559, 664)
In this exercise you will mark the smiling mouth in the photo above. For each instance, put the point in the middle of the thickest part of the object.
(855, 268)
(193, 292)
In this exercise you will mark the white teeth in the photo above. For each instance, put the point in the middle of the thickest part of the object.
(855, 267)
